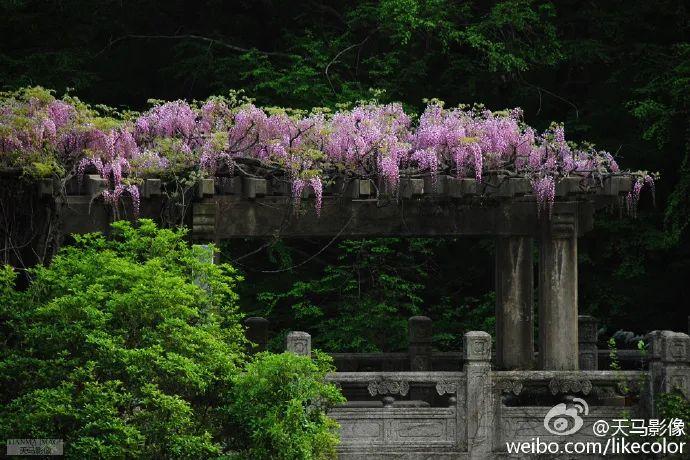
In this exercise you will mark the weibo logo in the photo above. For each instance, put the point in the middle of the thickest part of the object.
(562, 420)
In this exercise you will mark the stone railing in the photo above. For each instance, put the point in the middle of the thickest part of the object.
(472, 412)
(393, 411)
(421, 356)
(387, 362)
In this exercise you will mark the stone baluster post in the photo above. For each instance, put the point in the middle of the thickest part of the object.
(587, 340)
(419, 333)
(419, 330)
(479, 394)
(669, 365)
(299, 343)
(558, 289)
(257, 332)
(514, 303)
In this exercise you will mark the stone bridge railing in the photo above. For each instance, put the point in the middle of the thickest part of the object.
(472, 412)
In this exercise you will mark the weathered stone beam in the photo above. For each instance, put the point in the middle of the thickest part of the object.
(275, 215)
(232, 216)
(410, 187)
(81, 214)
(616, 185)
(151, 187)
(253, 187)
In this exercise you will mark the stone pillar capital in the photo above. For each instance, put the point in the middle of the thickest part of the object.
(562, 222)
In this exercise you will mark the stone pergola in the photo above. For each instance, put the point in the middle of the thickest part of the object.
(501, 207)
(424, 404)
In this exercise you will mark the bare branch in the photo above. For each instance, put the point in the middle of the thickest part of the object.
(335, 59)
(315, 254)
(209, 40)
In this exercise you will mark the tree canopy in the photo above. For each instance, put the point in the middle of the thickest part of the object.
(614, 72)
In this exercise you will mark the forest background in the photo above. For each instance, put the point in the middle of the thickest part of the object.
(616, 72)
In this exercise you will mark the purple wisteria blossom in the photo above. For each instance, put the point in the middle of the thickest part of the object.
(377, 141)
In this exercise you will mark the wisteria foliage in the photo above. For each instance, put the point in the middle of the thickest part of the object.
(46, 136)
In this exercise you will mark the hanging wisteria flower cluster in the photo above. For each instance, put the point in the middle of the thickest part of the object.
(46, 136)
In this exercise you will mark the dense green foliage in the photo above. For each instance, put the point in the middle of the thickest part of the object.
(130, 347)
(674, 406)
(361, 300)
(615, 72)
(281, 401)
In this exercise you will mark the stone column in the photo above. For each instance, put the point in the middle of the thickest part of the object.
(514, 303)
(669, 365)
(587, 343)
(298, 343)
(479, 395)
(558, 290)
(257, 332)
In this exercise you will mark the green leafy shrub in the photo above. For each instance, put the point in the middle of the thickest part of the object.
(128, 347)
(674, 406)
(279, 402)
(116, 348)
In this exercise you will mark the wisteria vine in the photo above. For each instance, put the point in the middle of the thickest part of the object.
(45, 136)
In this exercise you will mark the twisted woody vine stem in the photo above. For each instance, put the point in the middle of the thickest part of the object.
(46, 136)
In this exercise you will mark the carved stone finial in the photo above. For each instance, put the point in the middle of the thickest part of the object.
(587, 329)
(419, 329)
(669, 346)
(299, 343)
(477, 346)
